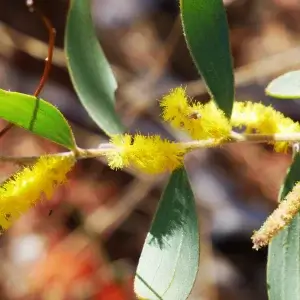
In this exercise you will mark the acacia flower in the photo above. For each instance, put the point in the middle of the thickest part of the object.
(264, 120)
(279, 219)
(26, 187)
(200, 121)
(150, 154)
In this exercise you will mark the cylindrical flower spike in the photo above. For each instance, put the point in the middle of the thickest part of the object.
(200, 121)
(26, 187)
(149, 154)
(264, 120)
(279, 219)
(207, 121)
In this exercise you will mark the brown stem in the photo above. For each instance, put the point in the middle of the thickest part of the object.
(5, 129)
(52, 34)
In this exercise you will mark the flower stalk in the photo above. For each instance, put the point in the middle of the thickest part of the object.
(103, 149)
(279, 219)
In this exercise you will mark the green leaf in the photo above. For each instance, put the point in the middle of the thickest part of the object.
(283, 271)
(90, 72)
(286, 86)
(37, 116)
(206, 32)
(169, 261)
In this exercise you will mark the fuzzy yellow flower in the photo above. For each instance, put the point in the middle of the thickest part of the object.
(262, 119)
(26, 187)
(175, 107)
(149, 154)
(200, 121)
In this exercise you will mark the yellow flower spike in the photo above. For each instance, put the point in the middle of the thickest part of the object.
(119, 158)
(279, 219)
(264, 120)
(27, 186)
(153, 155)
(175, 107)
(149, 154)
(211, 122)
(243, 114)
(198, 120)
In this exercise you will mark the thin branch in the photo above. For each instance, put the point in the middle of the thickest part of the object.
(189, 146)
(48, 64)
(276, 137)
(6, 129)
(30, 159)
(82, 154)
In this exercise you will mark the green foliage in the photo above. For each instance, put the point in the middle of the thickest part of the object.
(206, 32)
(169, 261)
(91, 74)
(286, 86)
(170, 257)
(283, 273)
(37, 116)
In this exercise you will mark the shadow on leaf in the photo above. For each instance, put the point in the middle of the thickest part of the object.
(172, 212)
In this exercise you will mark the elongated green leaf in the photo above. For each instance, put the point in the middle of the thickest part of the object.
(91, 74)
(283, 272)
(206, 33)
(286, 86)
(37, 116)
(169, 261)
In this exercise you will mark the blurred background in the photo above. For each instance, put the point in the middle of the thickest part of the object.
(85, 242)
